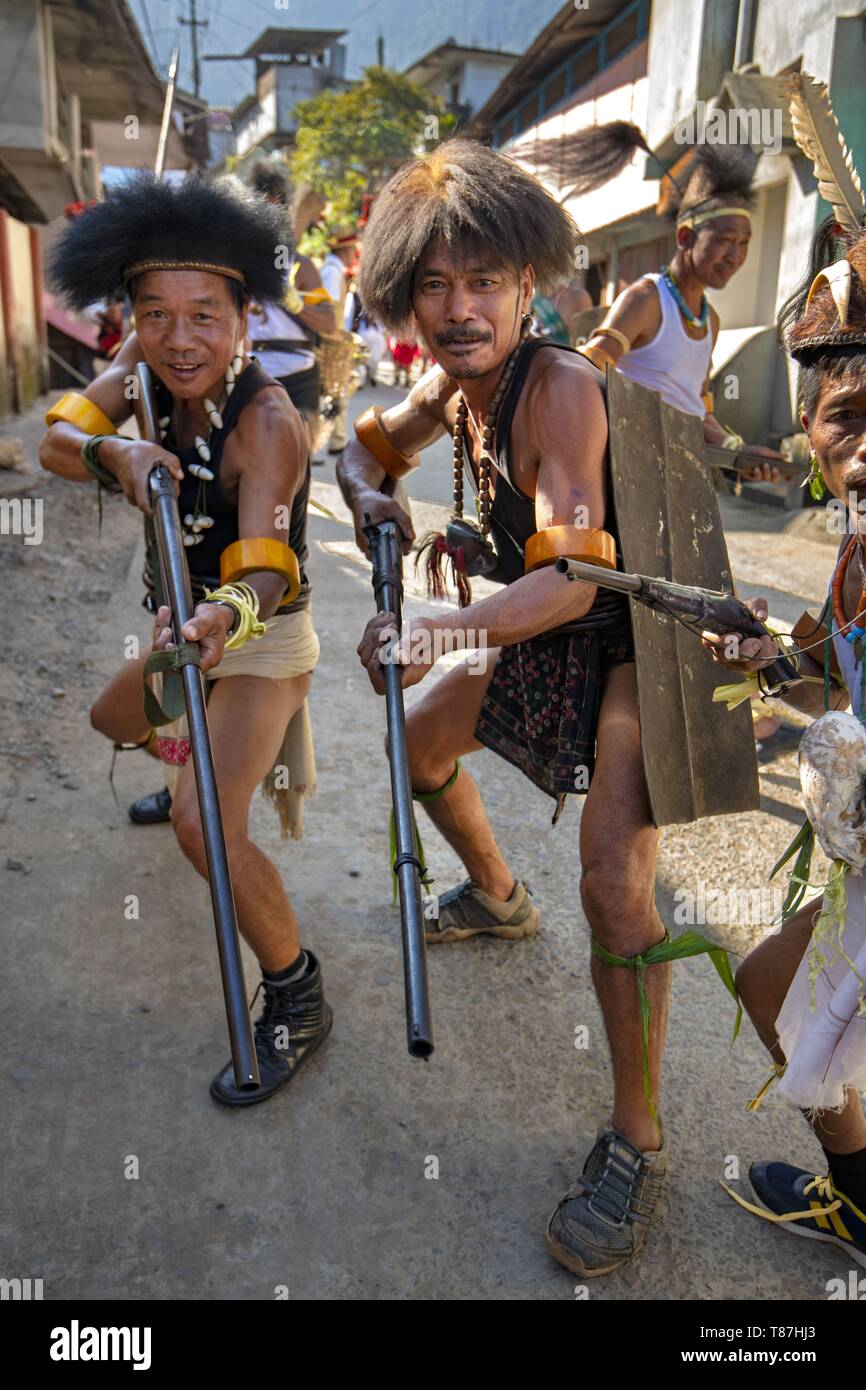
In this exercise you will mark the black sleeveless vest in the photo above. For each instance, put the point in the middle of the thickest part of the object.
(512, 514)
(204, 559)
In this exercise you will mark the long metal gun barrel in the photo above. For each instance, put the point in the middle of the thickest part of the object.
(178, 594)
(388, 589)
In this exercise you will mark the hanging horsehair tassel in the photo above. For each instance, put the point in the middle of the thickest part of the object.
(428, 556)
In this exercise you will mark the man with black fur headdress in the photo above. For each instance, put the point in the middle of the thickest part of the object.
(457, 243)
(190, 257)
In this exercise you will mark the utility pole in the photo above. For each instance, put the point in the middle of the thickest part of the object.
(195, 25)
(380, 51)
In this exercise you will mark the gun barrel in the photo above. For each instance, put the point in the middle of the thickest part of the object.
(387, 586)
(598, 574)
(178, 592)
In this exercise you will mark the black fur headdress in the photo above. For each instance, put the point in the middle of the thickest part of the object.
(193, 224)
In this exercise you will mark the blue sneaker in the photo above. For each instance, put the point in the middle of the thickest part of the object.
(807, 1204)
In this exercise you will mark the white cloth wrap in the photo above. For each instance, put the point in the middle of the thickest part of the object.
(288, 648)
(820, 1027)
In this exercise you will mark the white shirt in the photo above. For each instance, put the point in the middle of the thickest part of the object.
(333, 275)
(275, 322)
(673, 364)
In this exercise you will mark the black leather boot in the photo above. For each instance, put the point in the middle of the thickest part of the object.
(153, 809)
(294, 1021)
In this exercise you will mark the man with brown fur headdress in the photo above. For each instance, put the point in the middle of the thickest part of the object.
(456, 245)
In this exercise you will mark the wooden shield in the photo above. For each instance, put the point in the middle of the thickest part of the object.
(699, 758)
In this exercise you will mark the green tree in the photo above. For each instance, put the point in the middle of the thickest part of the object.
(349, 142)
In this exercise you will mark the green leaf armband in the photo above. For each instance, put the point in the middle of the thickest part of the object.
(92, 464)
(104, 478)
(690, 943)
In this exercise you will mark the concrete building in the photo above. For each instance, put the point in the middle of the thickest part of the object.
(661, 63)
(75, 82)
(291, 65)
(463, 78)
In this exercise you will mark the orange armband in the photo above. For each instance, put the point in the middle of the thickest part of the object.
(372, 434)
(253, 553)
(77, 410)
(597, 354)
(585, 543)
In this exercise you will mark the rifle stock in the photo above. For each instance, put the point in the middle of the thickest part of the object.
(178, 594)
(388, 589)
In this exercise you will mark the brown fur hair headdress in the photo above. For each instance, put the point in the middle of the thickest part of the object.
(462, 193)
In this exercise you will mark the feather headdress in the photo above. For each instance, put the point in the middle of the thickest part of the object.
(830, 310)
(817, 132)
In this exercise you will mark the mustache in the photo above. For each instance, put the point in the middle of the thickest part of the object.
(450, 336)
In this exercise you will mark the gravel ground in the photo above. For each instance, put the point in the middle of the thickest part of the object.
(114, 1027)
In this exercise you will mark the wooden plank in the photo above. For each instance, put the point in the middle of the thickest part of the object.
(698, 758)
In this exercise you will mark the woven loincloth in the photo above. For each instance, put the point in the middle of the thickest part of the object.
(289, 648)
(540, 710)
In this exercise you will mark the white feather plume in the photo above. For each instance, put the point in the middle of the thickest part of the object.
(817, 132)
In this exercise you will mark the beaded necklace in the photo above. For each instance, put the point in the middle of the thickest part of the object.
(483, 501)
(465, 544)
(853, 632)
(198, 520)
(693, 320)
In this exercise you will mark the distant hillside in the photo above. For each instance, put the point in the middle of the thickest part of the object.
(409, 30)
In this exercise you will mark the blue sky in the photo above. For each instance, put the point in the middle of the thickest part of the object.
(409, 29)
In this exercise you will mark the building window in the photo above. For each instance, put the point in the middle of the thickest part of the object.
(556, 89)
(626, 29)
(528, 114)
(621, 35)
(585, 65)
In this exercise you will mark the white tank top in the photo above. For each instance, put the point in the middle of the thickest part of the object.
(272, 321)
(673, 364)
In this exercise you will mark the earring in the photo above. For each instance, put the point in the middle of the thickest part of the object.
(815, 479)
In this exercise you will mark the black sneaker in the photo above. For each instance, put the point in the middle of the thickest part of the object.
(806, 1204)
(293, 1023)
(152, 810)
(602, 1222)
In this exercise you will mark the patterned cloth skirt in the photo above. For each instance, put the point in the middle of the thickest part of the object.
(540, 711)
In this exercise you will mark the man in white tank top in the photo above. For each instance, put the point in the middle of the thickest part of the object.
(661, 330)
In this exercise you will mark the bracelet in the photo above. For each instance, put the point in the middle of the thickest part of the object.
(612, 333)
(93, 466)
(245, 601)
(236, 617)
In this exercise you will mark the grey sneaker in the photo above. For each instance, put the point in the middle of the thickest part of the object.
(602, 1222)
(468, 911)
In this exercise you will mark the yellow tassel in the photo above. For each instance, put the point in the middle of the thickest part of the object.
(245, 601)
(777, 1072)
(737, 691)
